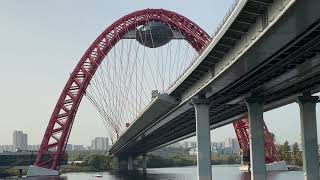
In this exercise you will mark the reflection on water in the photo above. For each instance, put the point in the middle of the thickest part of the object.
(182, 173)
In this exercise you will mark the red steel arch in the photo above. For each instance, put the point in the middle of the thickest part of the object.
(241, 128)
(60, 124)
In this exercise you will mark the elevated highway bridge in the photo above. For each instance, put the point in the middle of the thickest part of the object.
(268, 49)
(264, 55)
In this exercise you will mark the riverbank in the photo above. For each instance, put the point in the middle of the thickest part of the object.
(78, 169)
(11, 172)
(68, 169)
(82, 169)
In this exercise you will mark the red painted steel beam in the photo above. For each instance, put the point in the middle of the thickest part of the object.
(241, 128)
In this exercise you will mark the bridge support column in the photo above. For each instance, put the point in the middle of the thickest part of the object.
(257, 152)
(144, 163)
(308, 121)
(203, 139)
(116, 163)
(130, 163)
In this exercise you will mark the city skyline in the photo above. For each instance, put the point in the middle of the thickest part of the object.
(272, 124)
(103, 143)
(20, 142)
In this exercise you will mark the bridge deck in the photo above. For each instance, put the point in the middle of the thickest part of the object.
(274, 56)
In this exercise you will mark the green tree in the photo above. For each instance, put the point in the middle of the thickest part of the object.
(296, 154)
(155, 161)
(285, 152)
(99, 162)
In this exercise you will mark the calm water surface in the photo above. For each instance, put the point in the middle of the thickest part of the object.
(226, 172)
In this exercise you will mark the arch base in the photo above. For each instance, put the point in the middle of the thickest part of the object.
(34, 171)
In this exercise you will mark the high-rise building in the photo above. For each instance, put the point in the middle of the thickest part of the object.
(20, 140)
(213, 146)
(193, 144)
(78, 147)
(6, 148)
(236, 147)
(185, 144)
(228, 143)
(33, 147)
(232, 144)
(220, 145)
(69, 147)
(107, 142)
(100, 143)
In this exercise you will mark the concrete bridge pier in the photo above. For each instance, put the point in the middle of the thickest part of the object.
(130, 163)
(309, 139)
(203, 138)
(123, 164)
(116, 163)
(257, 152)
(144, 163)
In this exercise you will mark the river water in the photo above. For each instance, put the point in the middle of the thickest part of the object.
(219, 172)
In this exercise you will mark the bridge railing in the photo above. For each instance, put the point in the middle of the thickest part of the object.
(226, 17)
(214, 34)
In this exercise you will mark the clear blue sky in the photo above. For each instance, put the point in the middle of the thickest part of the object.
(41, 41)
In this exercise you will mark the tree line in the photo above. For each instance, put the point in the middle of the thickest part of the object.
(99, 161)
(291, 154)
